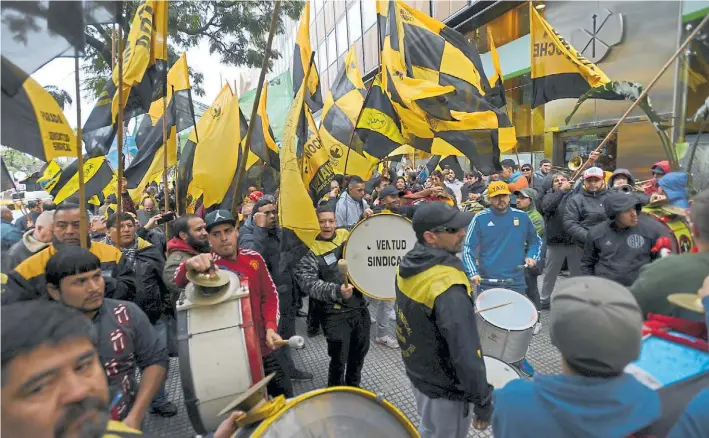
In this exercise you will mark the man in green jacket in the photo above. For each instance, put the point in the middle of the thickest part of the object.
(525, 202)
(682, 273)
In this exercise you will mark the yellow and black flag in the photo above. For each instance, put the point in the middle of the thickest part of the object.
(143, 79)
(496, 95)
(339, 115)
(262, 142)
(97, 175)
(378, 130)
(558, 70)
(7, 182)
(317, 171)
(148, 164)
(34, 124)
(301, 57)
(297, 217)
(436, 162)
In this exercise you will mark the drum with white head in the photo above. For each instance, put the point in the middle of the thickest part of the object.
(337, 412)
(505, 331)
(374, 250)
(218, 347)
(499, 373)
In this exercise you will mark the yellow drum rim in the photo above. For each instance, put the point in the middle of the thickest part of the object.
(344, 252)
(388, 406)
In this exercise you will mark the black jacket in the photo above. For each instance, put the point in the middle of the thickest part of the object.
(437, 331)
(152, 295)
(618, 253)
(553, 205)
(583, 211)
(267, 242)
(477, 188)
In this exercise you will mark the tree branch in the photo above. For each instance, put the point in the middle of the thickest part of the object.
(102, 48)
(102, 30)
(202, 29)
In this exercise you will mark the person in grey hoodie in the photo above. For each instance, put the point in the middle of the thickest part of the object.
(33, 241)
(351, 206)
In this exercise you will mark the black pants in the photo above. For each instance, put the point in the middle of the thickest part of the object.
(530, 278)
(315, 314)
(286, 328)
(347, 336)
(275, 362)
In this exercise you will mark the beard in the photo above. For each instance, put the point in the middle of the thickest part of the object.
(200, 245)
(91, 428)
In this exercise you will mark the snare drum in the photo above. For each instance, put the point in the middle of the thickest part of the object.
(499, 373)
(505, 332)
(374, 250)
(677, 227)
(218, 349)
(337, 412)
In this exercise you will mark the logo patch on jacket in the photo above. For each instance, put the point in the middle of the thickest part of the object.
(254, 265)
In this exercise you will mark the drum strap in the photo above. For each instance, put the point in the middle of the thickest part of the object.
(426, 286)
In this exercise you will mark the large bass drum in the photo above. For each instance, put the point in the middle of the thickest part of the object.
(218, 349)
(675, 220)
(337, 412)
(374, 250)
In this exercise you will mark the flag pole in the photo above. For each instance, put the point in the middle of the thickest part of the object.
(349, 142)
(262, 77)
(642, 96)
(119, 124)
(166, 189)
(83, 220)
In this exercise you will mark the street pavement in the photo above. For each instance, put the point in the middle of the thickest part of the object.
(383, 374)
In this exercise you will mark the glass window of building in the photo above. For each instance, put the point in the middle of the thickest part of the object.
(354, 22)
(331, 48)
(342, 36)
(369, 13)
(322, 56)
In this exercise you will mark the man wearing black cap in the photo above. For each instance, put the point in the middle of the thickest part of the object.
(617, 248)
(390, 200)
(248, 265)
(435, 326)
(596, 326)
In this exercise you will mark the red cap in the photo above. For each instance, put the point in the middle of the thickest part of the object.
(255, 196)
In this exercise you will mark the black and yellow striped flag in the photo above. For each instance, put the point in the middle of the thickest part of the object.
(558, 70)
(97, 175)
(301, 57)
(143, 80)
(342, 106)
(436, 162)
(262, 142)
(316, 172)
(496, 96)
(148, 164)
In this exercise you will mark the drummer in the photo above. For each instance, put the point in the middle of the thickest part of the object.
(346, 322)
(247, 264)
(436, 327)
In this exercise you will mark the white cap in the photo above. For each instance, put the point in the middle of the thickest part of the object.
(593, 172)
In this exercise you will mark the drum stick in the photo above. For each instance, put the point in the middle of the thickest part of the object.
(342, 267)
(294, 342)
(496, 306)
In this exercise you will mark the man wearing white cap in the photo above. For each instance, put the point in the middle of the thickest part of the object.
(585, 209)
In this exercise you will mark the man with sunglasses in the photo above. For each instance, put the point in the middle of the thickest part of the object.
(435, 326)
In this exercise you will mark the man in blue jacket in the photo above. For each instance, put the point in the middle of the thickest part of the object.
(596, 325)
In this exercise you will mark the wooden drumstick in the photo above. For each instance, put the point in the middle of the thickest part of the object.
(496, 306)
(342, 267)
(294, 342)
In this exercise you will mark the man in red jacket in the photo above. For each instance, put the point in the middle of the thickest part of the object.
(248, 265)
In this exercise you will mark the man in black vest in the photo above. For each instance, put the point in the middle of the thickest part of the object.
(345, 318)
(435, 326)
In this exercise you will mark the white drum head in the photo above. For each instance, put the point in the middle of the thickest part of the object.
(499, 373)
(374, 250)
(520, 315)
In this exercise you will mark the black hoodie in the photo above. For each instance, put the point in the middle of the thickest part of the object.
(441, 347)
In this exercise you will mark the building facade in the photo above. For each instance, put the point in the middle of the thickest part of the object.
(629, 41)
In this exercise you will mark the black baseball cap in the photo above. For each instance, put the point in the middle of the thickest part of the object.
(390, 191)
(218, 217)
(508, 163)
(438, 215)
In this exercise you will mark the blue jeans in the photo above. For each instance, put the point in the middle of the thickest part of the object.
(160, 398)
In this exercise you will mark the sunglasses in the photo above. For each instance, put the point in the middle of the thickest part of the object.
(448, 230)
(526, 169)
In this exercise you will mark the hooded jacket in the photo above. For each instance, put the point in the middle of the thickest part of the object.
(674, 184)
(584, 210)
(618, 253)
(439, 337)
(560, 406)
(9, 234)
(624, 172)
(532, 212)
(22, 250)
(661, 165)
(177, 252)
(553, 208)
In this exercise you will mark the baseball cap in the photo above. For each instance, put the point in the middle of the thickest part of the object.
(593, 172)
(255, 196)
(497, 188)
(618, 202)
(438, 215)
(390, 191)
(218, 217)
(508, 163)
(596, 324)
(526, 193)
